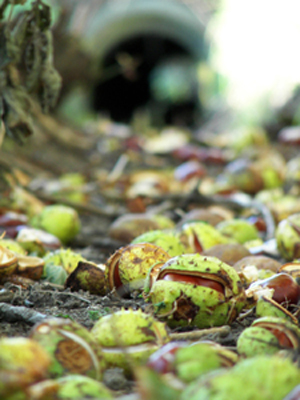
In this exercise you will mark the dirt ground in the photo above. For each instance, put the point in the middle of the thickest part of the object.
(21, 308)
(53, 300)
(46, 300)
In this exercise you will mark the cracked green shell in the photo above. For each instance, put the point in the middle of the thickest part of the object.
(196, 290)
(127, 269)
(128, 337)
(79, 386)
(70, 387)
(200, 236)
(72, 348)
(268, 335)
(267, 307)
(23, 362)
(66, 258)
(8, 262)
(201, 357)
(257, 378)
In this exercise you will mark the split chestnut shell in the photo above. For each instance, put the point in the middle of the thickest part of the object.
(8, 262)
(188, 361)
(201, 357)
(22, 362)
(127, 268)
(197, 290)
(268, 335)
(267, 307)
(200, 236)
(70, 346)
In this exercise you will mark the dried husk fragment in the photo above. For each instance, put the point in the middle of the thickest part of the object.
(8, 262)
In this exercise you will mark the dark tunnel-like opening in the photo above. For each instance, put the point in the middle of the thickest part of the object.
(126, 82)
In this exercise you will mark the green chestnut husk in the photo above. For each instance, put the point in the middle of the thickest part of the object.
(55, 274)
(167, 241)
(128, 338)
(128, 267)
(192, 289)
(257, 378)
(59, 220)
(77, 387)
(200, 236)
(23, 362)
(288, 237)
(70, 387)
(267, 307)
(66, 258)
(72, 348)
(268, 335)
(199, 358)
(239, 230)
(255, 340)
(13, 246)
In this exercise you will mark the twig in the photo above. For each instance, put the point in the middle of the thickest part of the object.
(73, 295)
(47, 284)
(6, 296)
(246, 314)
(118, 169)
(59, 294)
(11, 313)
(195, 335)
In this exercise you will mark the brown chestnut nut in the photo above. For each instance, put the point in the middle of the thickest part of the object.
(286, 289)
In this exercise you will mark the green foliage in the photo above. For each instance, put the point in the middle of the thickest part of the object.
(94, 315)
(55, 274)
(26, 66)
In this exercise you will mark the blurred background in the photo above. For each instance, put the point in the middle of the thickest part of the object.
(135, 59)
(176, 62)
